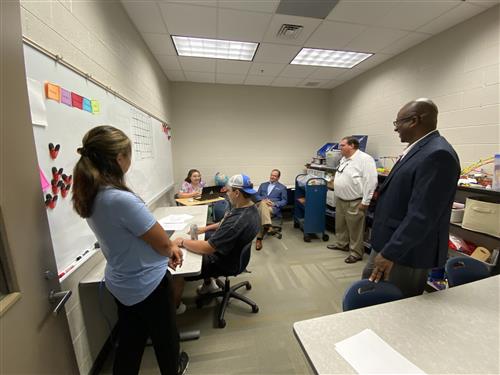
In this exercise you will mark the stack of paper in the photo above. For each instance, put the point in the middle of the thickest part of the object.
(175, 222)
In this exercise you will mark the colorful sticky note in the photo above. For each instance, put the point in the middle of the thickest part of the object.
(86, 105)
(76, 100)
(52, 91)
(43, 180)
(96, 108)
(65, 97)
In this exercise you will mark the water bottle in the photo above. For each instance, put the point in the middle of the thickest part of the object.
(496, 173)
(193, 231)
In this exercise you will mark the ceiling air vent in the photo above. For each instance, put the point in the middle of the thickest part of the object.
(312, 84)
(289, 32)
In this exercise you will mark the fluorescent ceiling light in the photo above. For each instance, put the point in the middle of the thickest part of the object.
(329, 57)
(214, 48)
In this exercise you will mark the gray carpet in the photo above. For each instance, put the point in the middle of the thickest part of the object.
(291, 281)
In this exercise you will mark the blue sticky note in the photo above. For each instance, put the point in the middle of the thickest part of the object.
(86, 105)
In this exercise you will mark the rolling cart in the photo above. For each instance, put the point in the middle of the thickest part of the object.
(309, 206)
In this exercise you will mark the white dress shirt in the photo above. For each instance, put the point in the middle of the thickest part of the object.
(356, 177)
(407, 149)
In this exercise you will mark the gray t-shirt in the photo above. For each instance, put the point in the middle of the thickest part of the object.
(238, 228)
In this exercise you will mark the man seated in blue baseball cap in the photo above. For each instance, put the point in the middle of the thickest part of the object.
(221, 250)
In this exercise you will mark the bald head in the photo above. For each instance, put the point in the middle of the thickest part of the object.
(426, 110)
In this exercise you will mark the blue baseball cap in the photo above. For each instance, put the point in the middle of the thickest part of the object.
(241, 181)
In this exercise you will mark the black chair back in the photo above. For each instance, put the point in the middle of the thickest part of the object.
(245, 257)
(463, 270)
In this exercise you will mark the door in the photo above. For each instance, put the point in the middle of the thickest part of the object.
(32, 339)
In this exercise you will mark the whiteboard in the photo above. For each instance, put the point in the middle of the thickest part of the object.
(150, 174)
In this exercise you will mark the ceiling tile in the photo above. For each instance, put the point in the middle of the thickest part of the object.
(333, 83)
(259, 80)
(275, 53)
(411, 15)
(267, 6)
(146, 17)
(266, 69)
(234, 79)
(233, 67)
(456, 15)
(374, 39)
(190, 20)
(334, 35)
(286, 82)
(175, 75)
(200, 77)
(298, 71)
(364, 66)
(197, 64)
(309, 24)
(242, 26)
(364, 12)
(405, 43)
(326, 73)
(168, 62)
(159, 44)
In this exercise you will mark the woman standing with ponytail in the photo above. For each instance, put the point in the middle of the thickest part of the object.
(136, 248)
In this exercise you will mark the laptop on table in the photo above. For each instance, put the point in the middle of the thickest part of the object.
(209, 192)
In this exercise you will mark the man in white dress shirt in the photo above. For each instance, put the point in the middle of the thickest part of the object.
(354, 184)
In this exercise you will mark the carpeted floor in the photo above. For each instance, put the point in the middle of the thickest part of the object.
(291, 281)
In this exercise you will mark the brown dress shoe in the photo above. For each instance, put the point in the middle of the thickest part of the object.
(258, 244)
(352, 259)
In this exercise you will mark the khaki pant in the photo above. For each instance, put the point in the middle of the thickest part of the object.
(265, 212)
(349, 226)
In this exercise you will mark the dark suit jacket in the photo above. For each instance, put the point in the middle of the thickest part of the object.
(413, 210)
(278, 196)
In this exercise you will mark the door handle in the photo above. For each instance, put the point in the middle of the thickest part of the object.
(59, 299)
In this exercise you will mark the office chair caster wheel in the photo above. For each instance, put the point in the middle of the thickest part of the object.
(248, 286)
(255, 309)
(222, 323)
(279, 236)
(307, 238)
(295, 224)
(326, 237)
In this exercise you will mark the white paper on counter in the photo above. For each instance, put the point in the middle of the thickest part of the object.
(173, 226)
(176, 219)
(367, 353)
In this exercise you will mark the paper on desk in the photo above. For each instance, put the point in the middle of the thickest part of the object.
(173, 226)
(367, 353)
(172, 219)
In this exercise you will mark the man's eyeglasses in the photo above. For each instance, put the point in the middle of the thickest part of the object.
(399, 121)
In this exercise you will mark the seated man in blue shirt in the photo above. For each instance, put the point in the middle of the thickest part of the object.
(272, 197)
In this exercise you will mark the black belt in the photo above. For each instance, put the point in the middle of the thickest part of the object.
(352, 200)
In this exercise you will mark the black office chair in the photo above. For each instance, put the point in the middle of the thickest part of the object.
(229, 291)
(463, 270)
(276, 227)
(365, 293)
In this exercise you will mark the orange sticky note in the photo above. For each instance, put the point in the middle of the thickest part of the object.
(52, 91)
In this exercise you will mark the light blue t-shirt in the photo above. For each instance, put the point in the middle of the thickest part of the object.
(134, 269)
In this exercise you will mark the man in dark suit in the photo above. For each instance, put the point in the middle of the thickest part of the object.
(410, 227)
(271, 197)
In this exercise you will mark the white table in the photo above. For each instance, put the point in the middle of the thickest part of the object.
(454, 331)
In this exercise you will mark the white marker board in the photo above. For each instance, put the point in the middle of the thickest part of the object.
(149, 176)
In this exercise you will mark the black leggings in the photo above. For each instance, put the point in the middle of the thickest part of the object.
(154, 317)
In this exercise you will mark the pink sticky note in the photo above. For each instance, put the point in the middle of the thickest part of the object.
(65, 97)
(43, 180)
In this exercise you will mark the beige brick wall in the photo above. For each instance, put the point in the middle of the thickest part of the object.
(459, 69)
